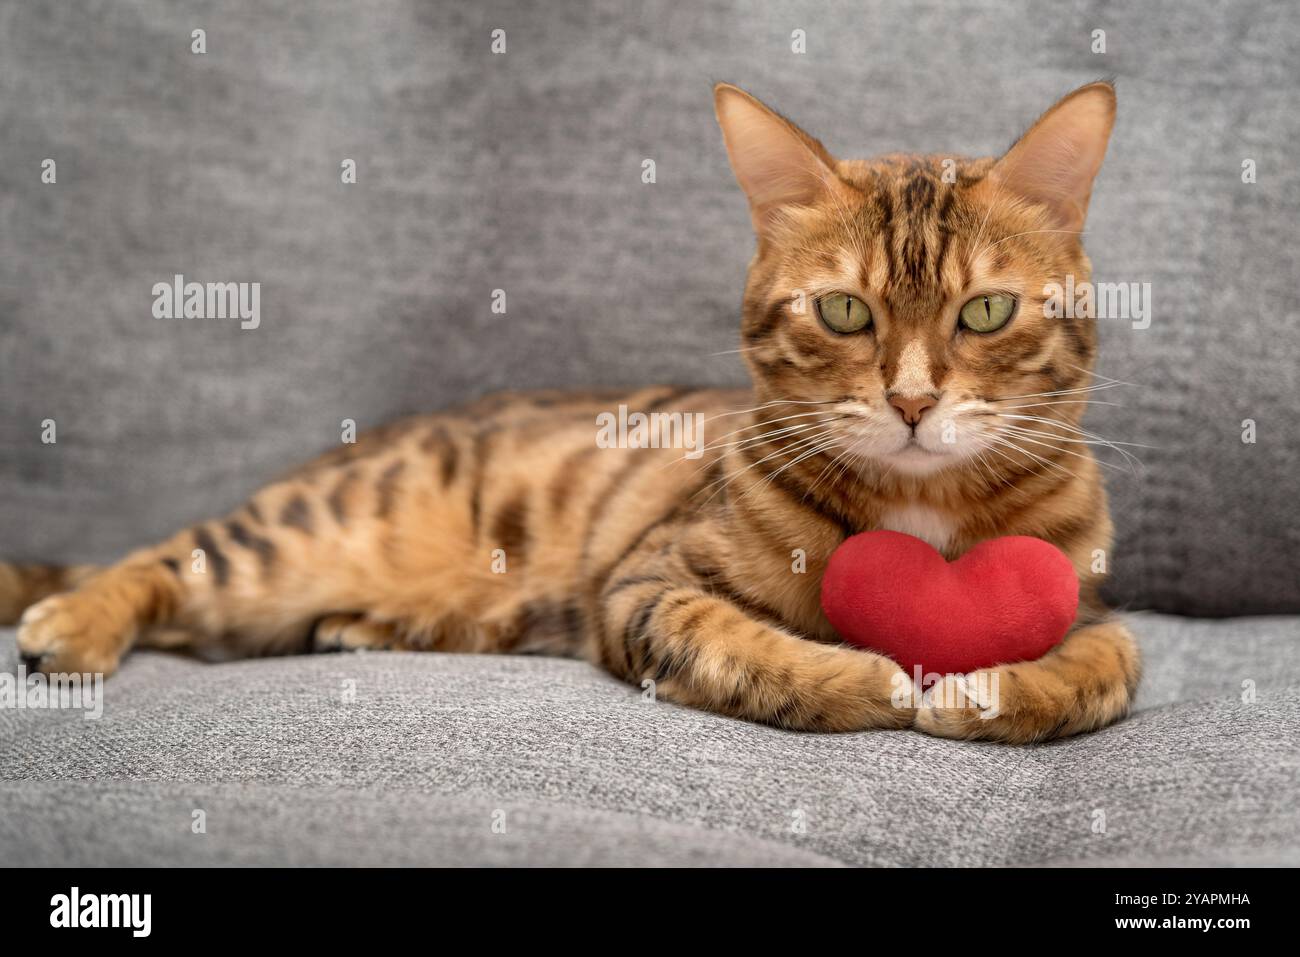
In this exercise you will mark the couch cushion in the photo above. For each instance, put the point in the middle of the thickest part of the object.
(522, 172)
(434, 748)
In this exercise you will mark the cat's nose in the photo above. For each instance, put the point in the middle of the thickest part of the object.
(911, 409)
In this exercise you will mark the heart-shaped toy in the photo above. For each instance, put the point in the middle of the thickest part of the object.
(1006, 600)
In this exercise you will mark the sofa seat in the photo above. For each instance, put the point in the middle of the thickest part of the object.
(402, 758)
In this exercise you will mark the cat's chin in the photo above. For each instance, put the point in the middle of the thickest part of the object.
(914, 459)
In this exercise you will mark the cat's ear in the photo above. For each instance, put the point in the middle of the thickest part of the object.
(1055, 163)
(777, 164)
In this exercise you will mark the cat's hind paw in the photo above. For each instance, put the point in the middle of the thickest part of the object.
(68, 634)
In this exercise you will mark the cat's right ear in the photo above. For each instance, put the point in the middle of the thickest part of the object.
(777, 164)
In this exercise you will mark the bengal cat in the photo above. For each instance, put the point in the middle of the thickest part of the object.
(906, 375)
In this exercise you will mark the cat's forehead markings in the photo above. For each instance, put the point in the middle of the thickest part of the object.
(878, 266)
(835, 272)
(861, 266)
(983, 269)
(851, 266)
(953, 275)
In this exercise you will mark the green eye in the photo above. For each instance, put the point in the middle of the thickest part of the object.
(843, 313)
(987, 313)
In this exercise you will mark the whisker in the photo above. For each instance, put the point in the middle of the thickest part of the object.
(823, 473)
(1098, 375)
(726, 480)
(769, 405)
(784, 418)
(1049, 420)
(1030, 232)
(788, 432)
(849, 456)
(1057, 448)
(979, 236)
(993, 477)
(997, 451)
(1085, 389)
(1078, 431)
(811, 452)
(1096, 439)
(1035, 405)
(1001, 440)
(752, 441)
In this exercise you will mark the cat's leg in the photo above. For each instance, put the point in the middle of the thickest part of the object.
(369, 529)
(354, 632)
(1086, 682)
(22, 586)
(251, 583)
(89, 628)
(705, 646)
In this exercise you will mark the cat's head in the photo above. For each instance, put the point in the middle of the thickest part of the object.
(907, 293)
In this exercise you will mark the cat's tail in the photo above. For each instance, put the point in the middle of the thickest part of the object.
(24, 585)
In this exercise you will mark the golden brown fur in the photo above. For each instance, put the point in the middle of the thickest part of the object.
(683, 571)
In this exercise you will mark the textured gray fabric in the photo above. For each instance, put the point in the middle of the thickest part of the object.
(522, 172)
(586, 771)
(252, 825)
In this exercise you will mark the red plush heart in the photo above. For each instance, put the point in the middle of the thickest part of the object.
(1006, 600)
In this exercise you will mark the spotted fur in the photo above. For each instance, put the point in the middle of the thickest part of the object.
(504, 526)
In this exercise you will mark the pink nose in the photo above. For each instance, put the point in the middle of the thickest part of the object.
(911, 409)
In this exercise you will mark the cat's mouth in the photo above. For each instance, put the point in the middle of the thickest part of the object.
(889, 442)
(913, 458)
(913, 446)
(910, 456)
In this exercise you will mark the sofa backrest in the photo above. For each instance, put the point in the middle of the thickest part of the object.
(522, 171)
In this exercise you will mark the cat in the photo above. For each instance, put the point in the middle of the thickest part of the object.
(905, 375)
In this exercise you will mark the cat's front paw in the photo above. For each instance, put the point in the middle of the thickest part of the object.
(963, 706)
(67, 634)
(1018, 704)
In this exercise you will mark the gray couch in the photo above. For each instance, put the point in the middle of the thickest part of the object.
(522, 172)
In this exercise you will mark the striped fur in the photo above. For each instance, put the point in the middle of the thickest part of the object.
(505, 526)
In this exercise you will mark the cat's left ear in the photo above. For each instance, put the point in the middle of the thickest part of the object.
(1055, 163)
